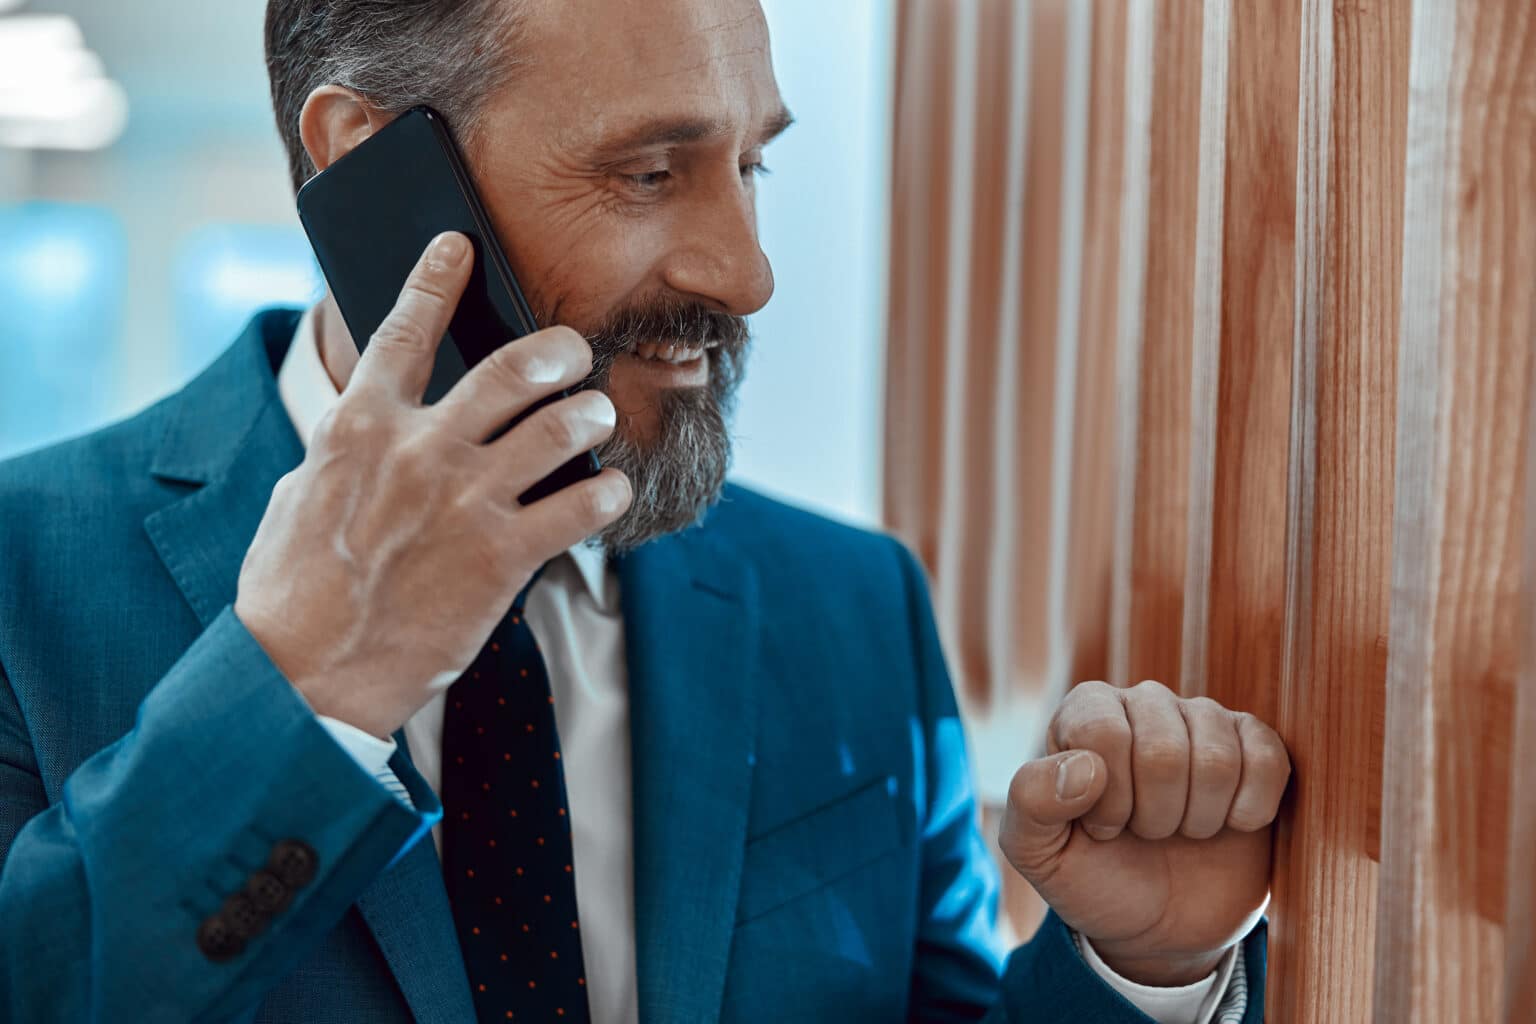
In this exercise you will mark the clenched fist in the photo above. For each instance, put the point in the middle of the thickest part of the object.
(1147, 827)
(385, 560)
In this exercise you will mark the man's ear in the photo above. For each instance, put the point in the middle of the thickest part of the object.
(334, 120)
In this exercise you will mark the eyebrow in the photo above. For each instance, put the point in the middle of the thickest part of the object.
(681, 131)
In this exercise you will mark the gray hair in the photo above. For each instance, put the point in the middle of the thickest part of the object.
(449, 54)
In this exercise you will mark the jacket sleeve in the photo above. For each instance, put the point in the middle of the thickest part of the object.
(146, 892)
(958, 972)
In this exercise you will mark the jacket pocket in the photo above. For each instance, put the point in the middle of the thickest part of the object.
(819, 847)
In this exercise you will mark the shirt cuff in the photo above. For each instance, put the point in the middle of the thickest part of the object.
(370, 752)
(372, 755)
(1194, 1003)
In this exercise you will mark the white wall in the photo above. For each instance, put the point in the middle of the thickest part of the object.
(810, 418)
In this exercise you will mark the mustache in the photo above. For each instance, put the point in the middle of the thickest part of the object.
(688, 325)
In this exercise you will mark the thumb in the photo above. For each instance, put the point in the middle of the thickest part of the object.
(1045, 797)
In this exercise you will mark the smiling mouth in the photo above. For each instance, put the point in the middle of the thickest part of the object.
(671, 352)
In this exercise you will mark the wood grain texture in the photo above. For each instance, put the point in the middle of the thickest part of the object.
(1351, 129)
(1150, 555)
(1520, 908)
(1216, 49)
(1242, 632)
(1092, 496)
(920, 181)
(1468, 316)
(1034, 387)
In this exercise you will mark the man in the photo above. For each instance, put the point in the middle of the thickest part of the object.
(262, 639)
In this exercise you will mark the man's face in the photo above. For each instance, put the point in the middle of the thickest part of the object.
(619, 167)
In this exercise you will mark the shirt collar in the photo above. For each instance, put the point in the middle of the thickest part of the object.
(308, 393)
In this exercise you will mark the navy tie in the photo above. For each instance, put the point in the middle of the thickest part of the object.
(507, 834)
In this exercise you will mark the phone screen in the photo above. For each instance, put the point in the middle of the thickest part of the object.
(369, 217)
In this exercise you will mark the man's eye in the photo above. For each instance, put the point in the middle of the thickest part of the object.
(757, 168)
(648, 181)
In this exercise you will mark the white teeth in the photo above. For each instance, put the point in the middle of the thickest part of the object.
(670, 352)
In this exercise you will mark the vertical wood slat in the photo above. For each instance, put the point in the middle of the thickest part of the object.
(1002, 615)
(1339, 500)
(1520, 907)
(1128, 322)
(1150, 558)
(1083, 516)
(1016, 708)
(1033, 388)
(919, 188)
(1239, 640)
(1215, 53)
(1468, 316)
(973, 286)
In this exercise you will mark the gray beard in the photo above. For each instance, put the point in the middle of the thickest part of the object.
(680, 474)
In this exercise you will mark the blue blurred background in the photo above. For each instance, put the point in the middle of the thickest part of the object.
(147, 214)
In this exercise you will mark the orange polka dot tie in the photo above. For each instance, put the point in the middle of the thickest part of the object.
(507, 834)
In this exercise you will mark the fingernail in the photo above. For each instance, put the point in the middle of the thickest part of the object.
(1073, 776)
(447, 250)
(600, 410)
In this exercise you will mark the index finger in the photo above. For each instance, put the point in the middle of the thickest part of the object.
(398, 358)
(1093, 718)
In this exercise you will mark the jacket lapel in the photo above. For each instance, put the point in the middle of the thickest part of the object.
(690, 624)
(230, 438)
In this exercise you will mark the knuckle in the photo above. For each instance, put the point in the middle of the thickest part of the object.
(1216, 761)
(1101, 734)
(1271, 761)
(1151, 688)
(514, 363)
(348, 425)
(595, 504)
(426, 287)
(398, 332)
(559, 430)
(1162, 758)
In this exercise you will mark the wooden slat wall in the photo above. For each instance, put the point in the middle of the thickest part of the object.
(1152, 454)
(1520, 910)
(1353, 87)
(1468, 320)
(1260, 408)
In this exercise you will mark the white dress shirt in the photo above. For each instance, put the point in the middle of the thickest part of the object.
(575, 617)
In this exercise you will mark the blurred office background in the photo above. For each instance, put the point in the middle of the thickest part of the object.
(145, 214)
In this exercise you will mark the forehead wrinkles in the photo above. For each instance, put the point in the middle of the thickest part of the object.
(594, 56)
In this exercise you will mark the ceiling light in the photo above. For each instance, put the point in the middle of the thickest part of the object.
(54, 93)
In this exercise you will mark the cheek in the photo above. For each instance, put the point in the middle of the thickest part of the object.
(577, 260)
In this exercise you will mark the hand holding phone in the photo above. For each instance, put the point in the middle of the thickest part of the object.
(384, 561)
(370, 214)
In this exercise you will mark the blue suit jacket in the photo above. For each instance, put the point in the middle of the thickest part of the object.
(805, 840)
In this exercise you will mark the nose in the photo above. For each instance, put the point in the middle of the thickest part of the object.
(718, 259)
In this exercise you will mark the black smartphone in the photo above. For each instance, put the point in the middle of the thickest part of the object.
(369, 217)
